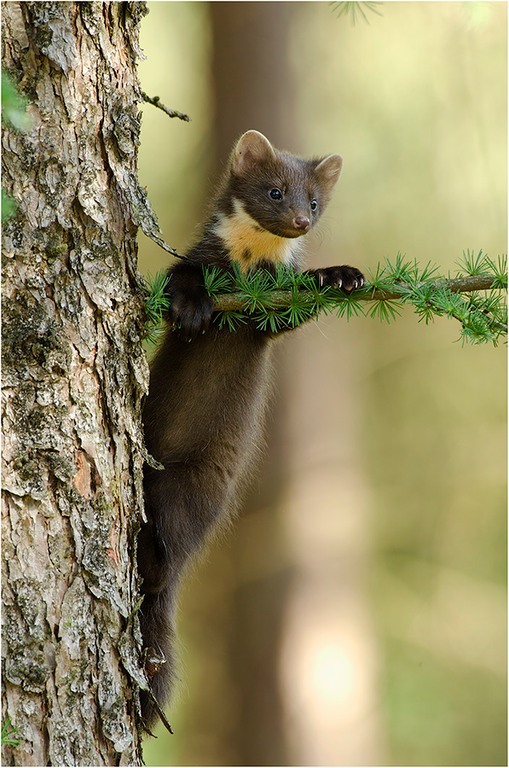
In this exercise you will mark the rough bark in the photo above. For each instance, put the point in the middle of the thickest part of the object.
(73, 377)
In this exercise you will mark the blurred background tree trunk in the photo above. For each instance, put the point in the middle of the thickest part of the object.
(73, 375)
(291, 568)
(255, 93)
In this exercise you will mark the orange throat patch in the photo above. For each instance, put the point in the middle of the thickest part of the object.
(248, 243)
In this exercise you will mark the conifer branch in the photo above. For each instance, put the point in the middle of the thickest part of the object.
(476, 297)
(229, 302)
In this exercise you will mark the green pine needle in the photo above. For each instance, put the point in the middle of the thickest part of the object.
(472, 264)
(216, 281)
(10, 734)
(157, 304)
(356, 9)
(231, 320)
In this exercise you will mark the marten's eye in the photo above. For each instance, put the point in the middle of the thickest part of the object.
(276, 194)
(313, 204)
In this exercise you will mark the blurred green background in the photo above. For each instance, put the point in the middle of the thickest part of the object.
(356, 612)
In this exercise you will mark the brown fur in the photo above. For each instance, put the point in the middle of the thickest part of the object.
(205, 409)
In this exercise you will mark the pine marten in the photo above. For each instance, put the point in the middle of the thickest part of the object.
(204, 412)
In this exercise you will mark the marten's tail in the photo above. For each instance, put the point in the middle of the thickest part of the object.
(157, 619)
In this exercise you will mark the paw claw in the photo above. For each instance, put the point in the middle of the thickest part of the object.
(344, 277)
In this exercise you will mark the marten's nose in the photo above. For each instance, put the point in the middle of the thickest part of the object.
(302, 222)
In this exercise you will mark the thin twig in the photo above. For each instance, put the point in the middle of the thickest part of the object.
(160, 712)
(156, 102)
(162, 244)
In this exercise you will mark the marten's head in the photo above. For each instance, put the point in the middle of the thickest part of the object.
(283, 193)
(269, 198)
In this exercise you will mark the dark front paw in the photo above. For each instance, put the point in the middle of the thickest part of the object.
(191, 312)
(344, 277)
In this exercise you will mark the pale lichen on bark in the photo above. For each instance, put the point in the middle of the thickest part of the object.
(74, 374)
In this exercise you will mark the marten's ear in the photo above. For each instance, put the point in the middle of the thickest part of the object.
(251, 149)
(328, 171)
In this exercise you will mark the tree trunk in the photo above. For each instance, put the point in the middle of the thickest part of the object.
(74, 374)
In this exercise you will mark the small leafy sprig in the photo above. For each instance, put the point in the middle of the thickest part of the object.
(356, 9)
(14, 114)
(157, 303)
(10, 734)
(475, 296)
